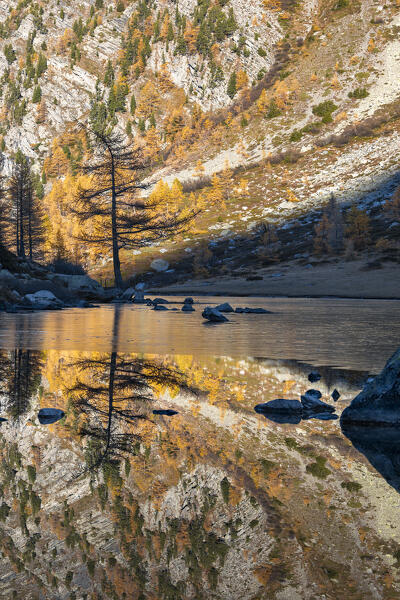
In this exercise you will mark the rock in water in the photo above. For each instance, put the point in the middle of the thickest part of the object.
(314, 376)
(253, 311)
(188, 301)
(165, 411)
(160, 307)
(47, 416)
(160, 301)
(311, 403)
(225, 307)
(335, 395)
(213, 315)
(379, 401)
(187, 308)
(280, 406)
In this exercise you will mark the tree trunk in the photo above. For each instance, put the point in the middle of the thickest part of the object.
(30, 208)
(21, 216)
(114, 232)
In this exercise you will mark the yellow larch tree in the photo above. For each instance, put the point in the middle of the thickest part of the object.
(149, 100)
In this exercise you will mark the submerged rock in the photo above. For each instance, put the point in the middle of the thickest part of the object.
(160, 307)
(165, 411)
(254, 311)
(213, 315)
(379, 401)
(225, 307)
(47, 416)
(314, 376)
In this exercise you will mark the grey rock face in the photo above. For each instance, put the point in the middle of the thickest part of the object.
(43, 299)
(379, 401)
(213, 315)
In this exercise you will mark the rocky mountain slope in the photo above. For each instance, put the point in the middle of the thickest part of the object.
(261, 115)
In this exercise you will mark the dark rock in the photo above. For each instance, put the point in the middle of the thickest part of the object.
(2, 419)
(335, 395)
(254, 311)
(380, 445)
(167, 411)
(281, 406)
(314, 376)
(311, 403)
(225, 307)
(379, 401)
(160, 307)
(47, 416)
(188, 301)
(213, 315)
(187, 308)
(160, 301)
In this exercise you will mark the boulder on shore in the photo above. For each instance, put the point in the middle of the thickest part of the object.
(213, 315)
(44, 299)
(379, 401)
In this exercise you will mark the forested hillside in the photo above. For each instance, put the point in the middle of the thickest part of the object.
(249, 116)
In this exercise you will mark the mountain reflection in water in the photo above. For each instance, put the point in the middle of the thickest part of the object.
(117, 501)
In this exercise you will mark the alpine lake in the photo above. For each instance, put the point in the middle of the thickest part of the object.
(160, 481)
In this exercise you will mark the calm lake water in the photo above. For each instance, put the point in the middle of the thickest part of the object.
(209, 500)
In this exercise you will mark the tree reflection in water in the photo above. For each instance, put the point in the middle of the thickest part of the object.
(113, 392)
(20, 375)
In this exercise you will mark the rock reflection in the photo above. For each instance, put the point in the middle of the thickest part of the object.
(20, 375)
(381, 446)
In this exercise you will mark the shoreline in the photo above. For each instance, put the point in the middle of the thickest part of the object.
(355, 279)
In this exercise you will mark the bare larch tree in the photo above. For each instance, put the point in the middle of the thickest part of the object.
(118, 217)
